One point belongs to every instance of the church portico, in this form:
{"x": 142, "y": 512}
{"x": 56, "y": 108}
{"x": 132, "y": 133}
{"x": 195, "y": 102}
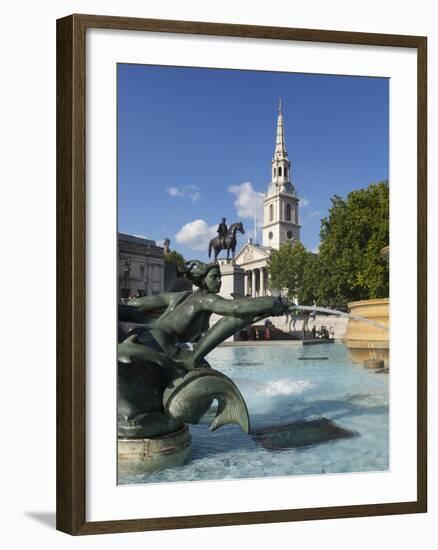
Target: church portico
{"x": 256, "y": 282}
{"x": 253, "y": 259}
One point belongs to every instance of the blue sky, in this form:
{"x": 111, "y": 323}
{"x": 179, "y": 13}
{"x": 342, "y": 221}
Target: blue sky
{"x": 196, "y": 144}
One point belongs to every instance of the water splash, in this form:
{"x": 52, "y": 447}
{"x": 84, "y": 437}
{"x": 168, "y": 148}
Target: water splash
{"x": 340, "y": 313}
{"x": 284, "y": 387}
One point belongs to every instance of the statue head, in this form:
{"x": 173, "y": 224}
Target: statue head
{"x": 205, "y": 276}
{"x": 224, "y": 220}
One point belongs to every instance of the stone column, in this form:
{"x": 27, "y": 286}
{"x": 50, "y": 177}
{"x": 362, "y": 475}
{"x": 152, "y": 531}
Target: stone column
{"x": 267, "y": 282}
{"x": 262, "y": 282}
{"x": 253, "y": 284}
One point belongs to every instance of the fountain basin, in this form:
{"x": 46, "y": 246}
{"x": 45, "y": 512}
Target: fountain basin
{"x": 365, "y": 341}
{"x": 141, "y": 455}
{"x": 307, "y": 417}
{"x": 385, "y": 253}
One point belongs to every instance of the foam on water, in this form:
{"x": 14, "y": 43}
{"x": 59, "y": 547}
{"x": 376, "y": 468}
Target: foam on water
{"x": 280, "y": 389}
{"x": 284, "y": 387}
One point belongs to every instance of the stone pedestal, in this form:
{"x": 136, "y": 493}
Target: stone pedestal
{"x": 233, "y": 286}
{"x": 155, "y": 453}
{"x": 233, "y": 280}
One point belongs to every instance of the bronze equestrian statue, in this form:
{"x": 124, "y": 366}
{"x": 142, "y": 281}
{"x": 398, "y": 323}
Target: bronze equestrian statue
{"x": 164, "y": 380}
{"x": 226, "y": 240}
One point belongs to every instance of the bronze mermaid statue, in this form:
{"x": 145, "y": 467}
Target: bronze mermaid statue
{"x": 164, "y": 380}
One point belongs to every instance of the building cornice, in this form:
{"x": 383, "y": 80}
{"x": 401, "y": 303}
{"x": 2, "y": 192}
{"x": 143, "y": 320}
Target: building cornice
{"x": 281, "y": 194}
{"x": 282, "y": 222}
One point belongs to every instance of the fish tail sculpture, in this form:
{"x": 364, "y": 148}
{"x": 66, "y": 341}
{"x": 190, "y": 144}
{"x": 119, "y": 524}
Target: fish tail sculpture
{"x": 189, "y": 397}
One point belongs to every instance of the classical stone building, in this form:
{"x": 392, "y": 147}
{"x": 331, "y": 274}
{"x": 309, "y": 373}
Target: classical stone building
{"x": 280, "y": 219}
{"x": 141, "y": 266}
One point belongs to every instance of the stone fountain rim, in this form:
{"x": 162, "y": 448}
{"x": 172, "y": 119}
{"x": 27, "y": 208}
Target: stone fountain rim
{"x": 372, "y": 302}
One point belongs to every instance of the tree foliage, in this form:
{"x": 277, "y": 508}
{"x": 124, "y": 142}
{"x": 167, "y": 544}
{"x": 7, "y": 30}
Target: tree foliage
{"x": 174, "y": 257}
{"x": 356, "y": 229}
{"x": 348, "y": 266}
{"x": 292, "y": 268}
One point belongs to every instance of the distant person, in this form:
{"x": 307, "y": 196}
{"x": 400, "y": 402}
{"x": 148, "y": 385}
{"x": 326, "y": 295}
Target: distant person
{"x": 267, "y": 334}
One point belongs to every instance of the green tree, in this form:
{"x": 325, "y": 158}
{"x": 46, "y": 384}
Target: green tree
{"x": 356, "y": 229}
{"x": 308, "y": 292}
{"x": 174, "y": 257}
{"x": 294, "y": 268}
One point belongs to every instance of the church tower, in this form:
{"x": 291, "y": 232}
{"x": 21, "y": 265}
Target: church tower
{"x": 280, "y": 204}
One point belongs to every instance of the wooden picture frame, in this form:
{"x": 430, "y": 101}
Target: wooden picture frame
{"x": 71, "y": 273}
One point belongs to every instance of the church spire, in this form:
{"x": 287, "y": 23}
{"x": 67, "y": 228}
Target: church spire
{"x": 281, "y": 166}
{"x": 280, "y": 204}
{"x": 280, "y": 146}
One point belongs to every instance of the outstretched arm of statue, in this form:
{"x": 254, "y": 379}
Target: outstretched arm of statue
{"x": 217, "y": 334}
{"x": 245, "y": 307}
{"x": 238, "y": 314}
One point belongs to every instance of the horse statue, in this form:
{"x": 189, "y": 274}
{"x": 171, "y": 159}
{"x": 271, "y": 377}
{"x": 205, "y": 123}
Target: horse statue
{"x": 226, "y": 243}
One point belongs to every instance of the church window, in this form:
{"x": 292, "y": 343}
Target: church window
{"x": 271, "y": 212}
{"x": 271, "y": 235}
{"x": 275, "y": 172}
{"x": 288, "y": 212}
{"x": 285, "y": 172}
{"x": 279, "y": 170}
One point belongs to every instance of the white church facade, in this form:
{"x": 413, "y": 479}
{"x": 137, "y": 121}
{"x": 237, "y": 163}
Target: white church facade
{"x": 280, "y": 220}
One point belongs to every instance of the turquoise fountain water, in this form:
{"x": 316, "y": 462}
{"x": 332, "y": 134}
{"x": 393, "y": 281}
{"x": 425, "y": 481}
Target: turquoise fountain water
{"x": 280, "y": 390}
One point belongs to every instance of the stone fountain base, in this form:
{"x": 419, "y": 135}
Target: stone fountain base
{"x": 365, "y": 341}
{"x": 156, "y": 453}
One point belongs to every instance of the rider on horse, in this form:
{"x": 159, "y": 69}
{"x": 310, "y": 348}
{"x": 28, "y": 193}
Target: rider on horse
{"x": 226, "y": 239}
{"x": 222, "y": 231}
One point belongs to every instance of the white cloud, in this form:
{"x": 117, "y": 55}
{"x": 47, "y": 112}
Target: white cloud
{"x": 189, "y": 191}
{"x": 247, "y": 201}
{"x": 196, "y": 234}
{"x": 315, "y": 250}
{"x": 304, "y": 202}
{"x": 174, "y": 192}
